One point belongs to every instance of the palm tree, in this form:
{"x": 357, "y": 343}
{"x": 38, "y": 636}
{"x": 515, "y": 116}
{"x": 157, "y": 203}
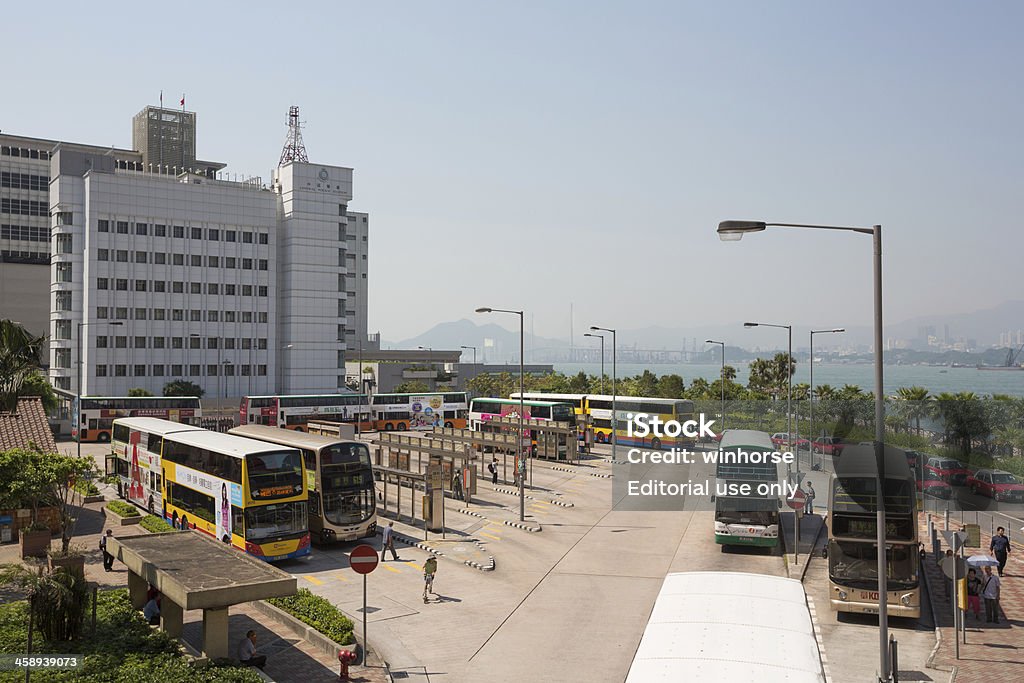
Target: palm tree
{"x": 19, "y": 362}
{"x": 914, "y": 404}
{"x": 825, "y": 392}
{"x": 181, "y": 387}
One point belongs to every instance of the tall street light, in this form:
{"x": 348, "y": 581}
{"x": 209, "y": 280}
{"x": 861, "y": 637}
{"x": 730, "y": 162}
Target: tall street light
{"x": 430, "y": 361}
{"x": 601, "y": 337}
{"x": 810, "y": 430}
{"x": 731, "y": 231}
{"x": 78, "y": 388}
{"x": 595, "y": 328}
{"x": 465, "y": 383}
{"x": 522, "y": 390}
{"x": 722, "y": 344}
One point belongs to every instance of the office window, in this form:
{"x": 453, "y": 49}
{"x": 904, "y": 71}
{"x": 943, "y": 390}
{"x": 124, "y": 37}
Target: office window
{"x": 213, "y": 261}
{"x": 101, "y": 370}
{"x": 230, "y": 235}
{"x": 159, "y": 258}
{"x": 103, "y": 225}
{"x": 229, "y": 370}
{"x": 229, "y": 290}
{"x": 64, "y": 272}
{"x": 177, "y": 315}
{"x": 195, "y": 287}
{"x": 141, "y": 257}
{"x": 101, "y": 311}
{"x": 140, "y": 370}
{"x": 246, "y": 316}
{"x": 229, "y": 262}
{"x": 158, "y": 342}
{"x": 121, "y": 312}
{"x": 121, "y": 284}
{"x": 212, "y": 316}
{"x": 245, "y": 370}
{"x": 120, "y": 371}
{"x": 62, "y": 244}
{"x": 140, "y": 342}
{"x": 229, "y": 343}
{"x": 262, "y": 343}
{"x": 212, "y": 288}
{"x": 160, "y": 230}
{"x": 120, "y": 342}
{"x": 178, "y": 259}
{"x": 195, "y": 343}
{"x": 178, "y": 287}
{"x": 213, "y": 235}
{"x": 159, "y": 286}
{"x": 122, "y": 256}
{"x": 101, "y": 283}
{"x": 247, "y": 238}
{"x": 141, "y": 313}
{"x": 264, "y": 238}
{"x": 263, "y": 316}
{"x": 229, "y": 316}
{"x": 211, "y": 370}
{"x": 159, "y": 314}
{"x": 341, "y": 232}
{"x": 263, "y": 290}
{"x": 158, "y": 371}
{"x": 195, "y": 370}
{"x": 263, "y": 264}
{"x": 247, "y": 264}
{"x": 176, "y": 370}
{"x": 102, "y": 254}
{"x": 101, "y": 342}
{"x": 141, "y": 229}
{"x": 122, "y": 227}
{"x": 195, "y": 260}
{"x": 246, "y": 290}
{"x": 342, "y": 210}
{"x": 197, "y": 233}
{"x": 247, "y": 343}
{"x": 261, "y": 370}
{"x": 177, "y": 342}
{"x": 179, "y": 231}
{"x": 195, "y": 316}
{"x": 212, "y": 343}
{"x": 140, "y": 285}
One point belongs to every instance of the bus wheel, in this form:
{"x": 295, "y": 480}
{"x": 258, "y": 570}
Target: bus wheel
{"x": 299, "y": 429}
{"x": 401, "y": 426}
{"x": 103, "y": 437}
{"x": 388, "y": 427}
{"x": 448, "y": 425}
{"x": 656, "y": 443}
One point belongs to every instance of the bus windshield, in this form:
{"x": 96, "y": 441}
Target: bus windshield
{"x": 349, "y": 505}
{"x": 855, "y": 564}
{"x": 563, "y": 413}
{"x": 274, "y": 475}
{"x": 344, "y": 454}
{"x": 281, "y": 519}
{"x": 759, "y": 511}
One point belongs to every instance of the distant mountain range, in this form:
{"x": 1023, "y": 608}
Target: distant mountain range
{"x": 497, "y": 344}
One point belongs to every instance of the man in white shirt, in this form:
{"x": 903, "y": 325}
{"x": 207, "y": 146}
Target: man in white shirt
{"x": 388, "y": 542}
{"x": 990, "y": 592}
{"x": 152, "y": 611}
{"x": 247, "y": 651}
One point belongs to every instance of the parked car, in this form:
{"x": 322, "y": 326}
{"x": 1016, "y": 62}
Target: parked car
{"x": 829, "y": 445}
{"x": 782, "y": 439}
{"x": 933, "y": 486}
{"x": 951, "y": 471}
{"x": 998, "y": 485}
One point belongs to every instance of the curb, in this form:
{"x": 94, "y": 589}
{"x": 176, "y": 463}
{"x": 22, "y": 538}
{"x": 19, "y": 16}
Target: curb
{"x": 423, "y": 545}
{"x": 601, "y": 475}
{"x": 930, "y": 662}
{"x": 552, "y": 501}
{"x": 306, "y": 632}
{"x": 822, "y": 657}
{"x": 518, "y": 525}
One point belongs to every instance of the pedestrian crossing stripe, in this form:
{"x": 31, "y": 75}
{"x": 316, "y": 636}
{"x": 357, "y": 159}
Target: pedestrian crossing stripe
{"x": 313, "y": 580}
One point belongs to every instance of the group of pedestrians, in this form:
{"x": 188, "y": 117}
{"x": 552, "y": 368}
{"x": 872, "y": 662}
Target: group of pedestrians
{"x": 986, "y": 585}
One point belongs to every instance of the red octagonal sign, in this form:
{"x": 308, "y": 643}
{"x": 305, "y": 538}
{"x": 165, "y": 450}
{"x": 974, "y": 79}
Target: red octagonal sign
{"x": 363, "y": 559}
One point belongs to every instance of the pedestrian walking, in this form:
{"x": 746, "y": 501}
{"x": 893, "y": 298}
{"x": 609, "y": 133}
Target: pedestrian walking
{"x": 457, "y": 483}
{"x": 809, "y": 498}
{"x": 974, "y": 593}
{"x": 429, "y": 569}
{"x": 948, "y": 581}
{"x": 1000, "y": 547}
{"x": 108, "y": 559}
{"x": 990, "y": 591}
{"x": 388, "y": 542}
{"x": 492, "y": 467}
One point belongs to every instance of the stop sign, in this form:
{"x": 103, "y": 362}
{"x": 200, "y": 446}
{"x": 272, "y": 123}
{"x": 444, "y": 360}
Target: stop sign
{"x": 363, "y": 559}
{"x": 796, "y": 502}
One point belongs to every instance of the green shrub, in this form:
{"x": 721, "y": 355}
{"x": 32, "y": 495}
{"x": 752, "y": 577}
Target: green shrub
{"x": 319, "y": 613}
{"x": 122, "y": 508}
{"x": 155, "y": 524}
{"x": 86, "y": 488}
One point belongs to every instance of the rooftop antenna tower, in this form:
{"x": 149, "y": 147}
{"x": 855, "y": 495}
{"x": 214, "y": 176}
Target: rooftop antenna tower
{"x": 294, "y": 149}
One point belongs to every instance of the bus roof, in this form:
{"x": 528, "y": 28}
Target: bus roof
{"x": 340, "y": 393}
{"x": 645, "y": 399}
{"x": 736, "y": 438}
{"x": 226, "y": 444}
{"x": 417, "y": 393}
{"x": 169, "y": 399}
{"x": 155, "y": 425}
{"x": 729, "y": 626}
{"x": 571, "y": 397}
{"x": 515, "y": 401}
{"x": 287, "y": 437}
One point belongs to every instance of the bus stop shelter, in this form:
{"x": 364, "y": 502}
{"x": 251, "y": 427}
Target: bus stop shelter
{"x": 192, "y": 571}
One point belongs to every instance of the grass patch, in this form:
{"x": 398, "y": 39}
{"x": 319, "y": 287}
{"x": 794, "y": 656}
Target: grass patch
{"x": 122, "y": 508}
{"x": 319, "y": 613}
{"x": 124, "y": 649}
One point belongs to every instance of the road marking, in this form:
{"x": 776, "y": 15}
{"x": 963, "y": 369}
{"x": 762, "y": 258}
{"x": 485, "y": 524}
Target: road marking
{"x": 313, "y": 580}
{"x": 342, "y": 577}
{"x": 413, "y": 564}
{"x": 484, "y": 533}
{"x": 391, "y": 569}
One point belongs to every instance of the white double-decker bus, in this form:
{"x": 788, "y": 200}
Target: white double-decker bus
{"x": 135, "y": 458}
{"x": 294, "y": 412}
{"x": 751, "y": 519}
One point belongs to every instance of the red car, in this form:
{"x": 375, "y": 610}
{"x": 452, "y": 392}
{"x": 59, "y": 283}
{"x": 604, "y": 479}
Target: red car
{"x": 829, "y": 445}
{"x": 934, "y": 487}
{"x": 951, "y": 471}
{"x": 997, "y": 485}
{"x": 781, "y": 439}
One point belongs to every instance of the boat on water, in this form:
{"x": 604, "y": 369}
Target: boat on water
{"x": 1011, "y": 361}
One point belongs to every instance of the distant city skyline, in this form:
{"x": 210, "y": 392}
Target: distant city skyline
{"x": 532, "y": 156}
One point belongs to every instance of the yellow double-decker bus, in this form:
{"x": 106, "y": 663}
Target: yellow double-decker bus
{"x": 248, "y": 493}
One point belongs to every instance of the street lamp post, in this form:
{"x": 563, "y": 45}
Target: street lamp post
{"x": 522, "y": 390}
{"x": 430, "y": 360}
{"x": 734, "y": 230}
{"x": 465, "y": 383}
{"x": 615, "y": 440}
{"x": 601, "y": 337}
{"x": 78, "y": 387}
{"x": 810, "y": 430}
{"x": 722, "y": 344}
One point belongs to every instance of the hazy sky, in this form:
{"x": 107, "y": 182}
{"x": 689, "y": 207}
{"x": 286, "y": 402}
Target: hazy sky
{"x": 535, "y": 154}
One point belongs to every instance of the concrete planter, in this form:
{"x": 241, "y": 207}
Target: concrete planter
{"x": 74, "y": 561}
{"x": 93, "y": 499}
{"x": 307, "y": 632}
{"x": 117, "y": 520}
{"x": 34, "y": 543}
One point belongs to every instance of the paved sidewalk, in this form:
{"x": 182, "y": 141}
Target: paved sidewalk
{"x": 993, "y": 652}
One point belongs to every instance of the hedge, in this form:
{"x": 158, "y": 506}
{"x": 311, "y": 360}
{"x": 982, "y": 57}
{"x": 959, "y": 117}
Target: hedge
{"x": 122, "y": 508}
{"x": 319, "y": 613}
{"x": 86, "y": 488}
{"x": 155, "y": 524}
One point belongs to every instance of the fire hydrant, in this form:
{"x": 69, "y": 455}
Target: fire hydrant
{"x": 345, "y": 657}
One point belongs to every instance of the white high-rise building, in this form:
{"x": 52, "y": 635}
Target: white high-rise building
{"x": 239, "y": 287}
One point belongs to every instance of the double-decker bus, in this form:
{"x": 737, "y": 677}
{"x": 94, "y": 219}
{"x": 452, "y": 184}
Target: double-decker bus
{"x": 135, "y": 459}
{"x": 852, "y": 546}
{"x": 94, "y": 419}
{"x": 422, "y": 411}
{"x": 729, "y": 626}
{"x": 751, "y": 520}
{"x": 248, "y": 493}
{"x": 339, "y": 477}
{"x": 293, "y": 412}
{"x": 483, "y": 410}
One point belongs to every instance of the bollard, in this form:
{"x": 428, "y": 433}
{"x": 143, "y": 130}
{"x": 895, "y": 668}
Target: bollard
{"x": 894, "y": 657}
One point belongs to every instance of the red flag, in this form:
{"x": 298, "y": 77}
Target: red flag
{"x": 182, "y": 103}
